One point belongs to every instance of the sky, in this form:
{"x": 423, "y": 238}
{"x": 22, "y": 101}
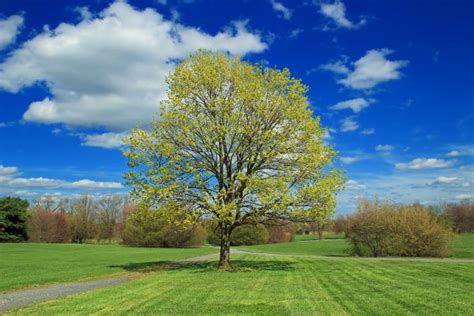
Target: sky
{"x": 393, "y": 81}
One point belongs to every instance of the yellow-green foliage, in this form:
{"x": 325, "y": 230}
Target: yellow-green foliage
{"x": 386, "y": 229}
{"x": 235, "y": 141}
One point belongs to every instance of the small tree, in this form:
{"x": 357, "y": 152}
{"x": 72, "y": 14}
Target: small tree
{"x": 234, "y": 141}
{"x": 109, "y": 208}
{"x": 13, "y": 219}
{"x": 82, "y": 219}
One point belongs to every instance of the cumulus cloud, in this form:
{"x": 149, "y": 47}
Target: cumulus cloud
{"x": 9, "y": 179}
{"x": 425, "y": 163}
{"x": 369, "y": 71}
{"x": 109, "y": 70}
{"x": 337, "y": 13}
{"x": 9, "y": 29}
{"x": 89, "y": 184}
{"x": 105, "y": 140}
{"x": 356, "y": 105}
{"x": 337, "y": 67}
{"x": 349, "y": 124}
{"x": 283, "y": 11}
{"x": 453, "y": 153}
{"x": 6, "y": 171}
{"x": 384, "y": 148}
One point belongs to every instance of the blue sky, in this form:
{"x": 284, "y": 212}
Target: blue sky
{"x": 392, "y": 80}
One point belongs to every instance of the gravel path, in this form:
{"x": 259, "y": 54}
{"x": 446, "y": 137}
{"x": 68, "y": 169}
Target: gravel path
{"x": 22, "y": 298}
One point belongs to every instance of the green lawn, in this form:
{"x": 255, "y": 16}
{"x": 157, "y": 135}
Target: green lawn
{"x": 28, "y": 264}
{"x": 463, "y": 247}
{"x": 324, "y": 247}
{"x": 263, "y": 285}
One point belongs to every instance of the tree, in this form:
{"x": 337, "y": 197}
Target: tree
{"x": 13, "y": 219}
{"x": 235, "y": 141}
{"x": 109, "y": 208}
{"x": 48, "y": 221}
{"x": 82, "y": 219}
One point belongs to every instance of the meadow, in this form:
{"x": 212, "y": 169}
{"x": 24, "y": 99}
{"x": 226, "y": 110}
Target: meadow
{"x": 258, "y": 284}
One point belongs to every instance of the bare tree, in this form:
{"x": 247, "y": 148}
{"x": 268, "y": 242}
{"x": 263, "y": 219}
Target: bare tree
{"x": 109, "y": 209}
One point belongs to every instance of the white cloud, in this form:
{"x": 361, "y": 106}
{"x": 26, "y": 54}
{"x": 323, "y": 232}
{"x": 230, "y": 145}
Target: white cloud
{"x": 5, "y": 171}
{"x": 370, "y": 70}
{"x": 9, "y": 29}
{"x": 465, "y": 196}
{"x": 9, "y": 179}
{"x": 285, "y": 12}
{"x": 349, "y": 160}
{"x": 349, "y": 125}
{"x": 424, "y": 163}
{"x": 356, "y": 105}
{"x": 337, "y": 13}
{"x": 446, "y": 180}
{"x": 89, "y": 184}
{"x": 337, "y": 67}
{"x": 110, "y": 70}
{"x": 368, "y": 131}
{"x": 105, "y": 140}
{"x": 384, "y": 148}
{"x": 295, "y": 33}
{"x": 354, "y": 185}
{"x": 453, "y": 153}
{"x": 34, "y": 182}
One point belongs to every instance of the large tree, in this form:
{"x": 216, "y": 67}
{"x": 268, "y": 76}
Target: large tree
{"x": 13, "y": 219}
{"x": 237, "y": 142}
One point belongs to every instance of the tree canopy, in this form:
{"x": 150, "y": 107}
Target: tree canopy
{"x": 235, "y": 141}
{"x": 13, "y": 219}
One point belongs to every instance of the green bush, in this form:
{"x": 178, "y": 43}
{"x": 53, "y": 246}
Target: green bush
{"x": 249, "y": 235}
{"x": 385, "y": 229}
{"x": 146, "y": 228}
{"x": 242, "y": 235}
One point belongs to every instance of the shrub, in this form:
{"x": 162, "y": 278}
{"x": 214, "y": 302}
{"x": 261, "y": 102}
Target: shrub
{"x": 385, "y": 229}
{"x": 279, "y": 232}
{"x": 146, "y": 228}
{"x": 13, "y": 219}
{"x": 249, "y": 235}
{"x": 48, "y": 226}
{"x": 462, "y": 216}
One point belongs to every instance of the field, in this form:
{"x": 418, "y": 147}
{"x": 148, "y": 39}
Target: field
{"x": 29, "y": 264}
{"x": 258, "y": 284}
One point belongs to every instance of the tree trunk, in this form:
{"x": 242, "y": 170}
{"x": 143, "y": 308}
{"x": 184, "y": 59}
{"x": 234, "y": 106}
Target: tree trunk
{"x": 320, "y": 233}
{"x": 224, "y": 258}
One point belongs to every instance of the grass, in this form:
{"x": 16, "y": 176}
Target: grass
{"x": 28, "y": 264}
{"x": 464, "y": 246}
{"x": 261, "y": 285}
{"x": 325, "y": 247}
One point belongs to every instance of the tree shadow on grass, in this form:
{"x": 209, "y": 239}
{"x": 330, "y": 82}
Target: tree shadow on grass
{"x": 198, "y": 267}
